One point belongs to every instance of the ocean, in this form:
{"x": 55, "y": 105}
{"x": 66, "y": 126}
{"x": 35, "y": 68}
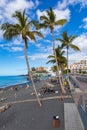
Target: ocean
{"x": 6, "y": 81}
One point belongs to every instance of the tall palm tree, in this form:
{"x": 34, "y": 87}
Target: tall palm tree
{"x": 23, "y": 28}
{"x": 61, "y": 60}
{"x": 49, "y": 21}
{"x": 66, "y": 41}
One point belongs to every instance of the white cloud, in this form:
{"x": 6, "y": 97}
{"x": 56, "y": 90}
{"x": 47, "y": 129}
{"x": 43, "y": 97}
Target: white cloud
{"x": 36, "y": 56}
{"x": 85, "y": 20}
{"x": 11, "y": 48}
{"x": 47, "y": 41}
{"x": 44, "y": 48}
{"x": 5, "y": 46}
{"x": 83, "y": 3}
{"x": 40, "y": 13}
{"x": 77, "y": 56}
{"x": 57, "y": 43}
{"x": 38, "y": 45}
{"x": 81, "y": 42}
{"x": 84, "y": 25}
{"x": 48, "y": 49}
{"x": 13, "y": 45}
{"x": 37, "y": 3}
{"x": 1, "y": 35}
{"x": 62, "y": 14}
{"x": 62, "y": 5}
{"x": 1, "y": 45}
{"x": 21, "y": 57}
{"x": 7, "y": 8}
{"x": 14, "y": 49}
{"x": 39, "y": 56}
{"x": 65, "y": 3}
{"x": 17, "y": 41}
{"x": 45, "y": 32}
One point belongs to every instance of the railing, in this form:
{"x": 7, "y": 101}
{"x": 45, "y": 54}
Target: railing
{"x": 74, "y": 82}
{"x": 83, "y": 111}
{"x": 82, "y": 78}
{"x": 82, "y": 102}
{"x": 86, "y": 106}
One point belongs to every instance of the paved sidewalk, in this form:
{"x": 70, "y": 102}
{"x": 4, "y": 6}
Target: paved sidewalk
{"x": 72, "y": 117}
{"x": 81, "y": 84}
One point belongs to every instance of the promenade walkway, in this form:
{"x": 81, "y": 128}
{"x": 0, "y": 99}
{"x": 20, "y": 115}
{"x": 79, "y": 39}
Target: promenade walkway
{"x": 72, "y": 117}
{"x": 33, "y": 100}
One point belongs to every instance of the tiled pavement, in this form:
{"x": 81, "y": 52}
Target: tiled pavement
{"x": 72, "y": 117}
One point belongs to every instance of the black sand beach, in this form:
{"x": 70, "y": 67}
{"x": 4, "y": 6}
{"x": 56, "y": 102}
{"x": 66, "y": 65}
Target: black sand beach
{"x": 25, "y": 114}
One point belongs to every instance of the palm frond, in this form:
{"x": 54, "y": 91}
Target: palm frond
{"x": 20, "y": 17}
{"x": 5, "y": 26}
{"x": 44, "y": 18}
{"x": 30, "y": 35}
{"x": 48, "y": 13}
{"x": 74, "y": 47}
{"x": 51, "y": 61}
{"x": 41, "y": 25}
{"x": 65, "y": 37}
{"x": 54, "y": 68}
{"x": 24, "y": 14}
{"x": 38, "y": 34}
{"x": 34, "y": 22}
{"x": 10, "y": 30}
{"x": 52, "y": 16}
{"x": 71, "y": 38}
{"x": 59, "y": 39}
{"x": 60, "y": 22}
{"x": 62, "y": 53}
{"x": 29, "y": 24}
{"x": 51, "y": 56}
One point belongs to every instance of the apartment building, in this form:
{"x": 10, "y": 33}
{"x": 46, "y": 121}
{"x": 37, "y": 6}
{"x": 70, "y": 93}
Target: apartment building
{"x": 79, "y": 66}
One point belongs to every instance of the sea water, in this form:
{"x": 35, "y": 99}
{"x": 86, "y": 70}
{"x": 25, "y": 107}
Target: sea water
{"x": 6, "y": 81}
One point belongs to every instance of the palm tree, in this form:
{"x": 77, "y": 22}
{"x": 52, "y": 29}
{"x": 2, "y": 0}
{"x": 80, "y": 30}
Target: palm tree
{"x": 53, "y": 68}
{"x": 61, "y": 60}
{"x": 67, "y": 43}
{"x": 23, "y": 28}
{"x": 50, "y": 22}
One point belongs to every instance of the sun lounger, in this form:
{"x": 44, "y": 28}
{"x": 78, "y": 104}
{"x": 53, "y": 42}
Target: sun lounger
{"x": 3, "y": 108}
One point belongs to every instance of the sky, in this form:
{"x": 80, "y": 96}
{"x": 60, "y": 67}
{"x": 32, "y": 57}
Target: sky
{"x": 12, "y": 61}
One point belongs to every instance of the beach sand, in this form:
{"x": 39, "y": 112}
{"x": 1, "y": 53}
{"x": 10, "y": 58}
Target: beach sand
{"x": 27, "y": 115}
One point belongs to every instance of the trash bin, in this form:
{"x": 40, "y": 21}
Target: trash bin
{"x": 56, "y": 121}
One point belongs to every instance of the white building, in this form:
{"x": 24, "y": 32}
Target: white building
{"x": 50, "y": 72}
{"x": 79, "y": 66}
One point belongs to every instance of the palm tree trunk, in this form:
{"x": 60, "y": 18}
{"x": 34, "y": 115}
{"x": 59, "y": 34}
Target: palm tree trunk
{"x": 54, "y": 51}
{"x": 62, "y": 75}
{"x": 67, "y": 60}
{"x": 29, "y": 73}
